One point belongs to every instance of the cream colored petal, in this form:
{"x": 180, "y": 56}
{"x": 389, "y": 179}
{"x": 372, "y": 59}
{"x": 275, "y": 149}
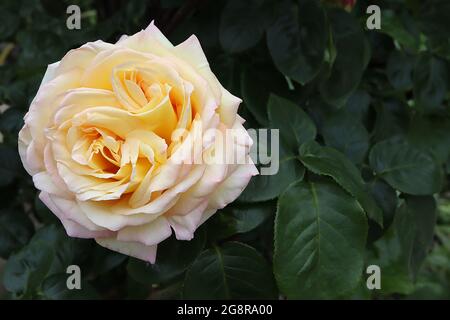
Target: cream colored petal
{"x": 83, "y": 56}
{"x": 143, "y": 193}
{"x": 113, "y": 192}
{"x": 207, "y": 214}
{"x": 194, "y": 197}
{"x": 191, "y": 51}
{"x": 31, "y": 160}
{"x": 228, "y": 107}
{"x": 185, "y": 225}
{"x": 161, "y": 119}
{"x": 167, "y": 199}
{"x": 52, "y": 170}
{"x": 150, "y": 40}
{"x": 103, "y": 215}
{"x": 73, "y": 229}
{"x": 50, "y": 73}
{"x": 79, "y": 184}
{"x": 72, "y": 211}
{"x": 133, "y": 249}
{"x": 44, "y": 182}
{"x": 153, "y": 31}
{"x": 35, "y": 158}
{"x": 233, "y": 185}
{"x": 149, "y": 234}
{"x": 46, "y": 102}
{"x": 80, "y": 99}
{"x": 64, "y": 158}
{"x": 98, "y": 73}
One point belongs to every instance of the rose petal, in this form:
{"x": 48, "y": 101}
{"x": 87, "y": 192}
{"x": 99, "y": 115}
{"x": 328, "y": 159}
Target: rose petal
{"x": 185, "y": 225}
{"x": 233, "y": 185}
{"x": 133, "y": 249}
{"x": 73, "y": 228}
{"x": 148, "y": 234}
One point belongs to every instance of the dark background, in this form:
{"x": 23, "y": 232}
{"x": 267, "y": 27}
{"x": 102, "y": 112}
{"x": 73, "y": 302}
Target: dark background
{"x": 357, "y": 88}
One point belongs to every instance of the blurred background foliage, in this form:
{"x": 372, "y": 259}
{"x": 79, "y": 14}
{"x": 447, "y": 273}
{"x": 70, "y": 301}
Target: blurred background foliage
{"x": 365, "y": 130}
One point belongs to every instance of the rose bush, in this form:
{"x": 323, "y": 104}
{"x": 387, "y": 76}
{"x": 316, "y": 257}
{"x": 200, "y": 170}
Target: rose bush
{"x": 364, "y": 159}
{"x": 104, "y": 142}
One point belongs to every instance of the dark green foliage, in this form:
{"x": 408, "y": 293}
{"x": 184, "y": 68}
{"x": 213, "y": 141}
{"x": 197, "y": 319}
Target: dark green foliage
{"x": 364, "y": 175}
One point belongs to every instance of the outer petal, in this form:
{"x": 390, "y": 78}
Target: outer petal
{"x": 150, "y": 40}
{"x": 32, "y": 160}
{"x": 195, "y": 196}
{"x": 148, "y": 234}
{"x": 73, "y": 228}
{"x": 191, "y": 51}
{"x": 50, "y": 165}
{"x": 70, "y": 210}
{"x": 81, "y": 57}
{"x": 185, "y": 225}
{"x": 103, "y": 216}
{"x": 68, "y": 70}
{"x": 50, "y": 73}
{"x": 233, "y": 185}
{"x": 228, "y": 108}
{"x": 44, "y": 182}
{"x": 46, "y": 102}
{"x": 134, "y": 249}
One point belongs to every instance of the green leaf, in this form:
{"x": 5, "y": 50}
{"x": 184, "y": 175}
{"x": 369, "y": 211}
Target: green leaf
{"x": 386, "y": 198}
{"x": 298, "y": 38}
{"x": 399, "y": 70}
{"x": 55, "y": 288}
{"x": 294, "y": 124}
{"x": 16, "y": 230}
{"x": 396, "y": 27}
{"x": 432, "y": 286}
{"x": 392, "y": 119}
{"x": 295, "y": 127}
{"x": 50, "y": 251}
{"x": 242, "y": 24}
{"x": 320, "y": 235}
{"x": 346, "y": 134}
{"x": 173, "y": 258}
{"x": 25, "y": 270}
{"x": 330, "y": 162}
{"x": 233, "y": 271}
{"x": 431, "y": 135}
{"x": 425, "y": 214}
{"x": 430, "y": 82}
{"x": 351, "y": 60}
{"x": 405, "y": 167}
{"x": 257, "y": 82}
{"x": 268, "y": 187}
{"x": 238, "y": 219}
{"x": 104, "y": 260}
{"x": 358, "y": 104}
{"x": 66, "y": 250}
{"x": 401, "y": 251}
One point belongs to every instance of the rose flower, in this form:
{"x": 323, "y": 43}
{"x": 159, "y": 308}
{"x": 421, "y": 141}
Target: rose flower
{"x": 113, "y": 138}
